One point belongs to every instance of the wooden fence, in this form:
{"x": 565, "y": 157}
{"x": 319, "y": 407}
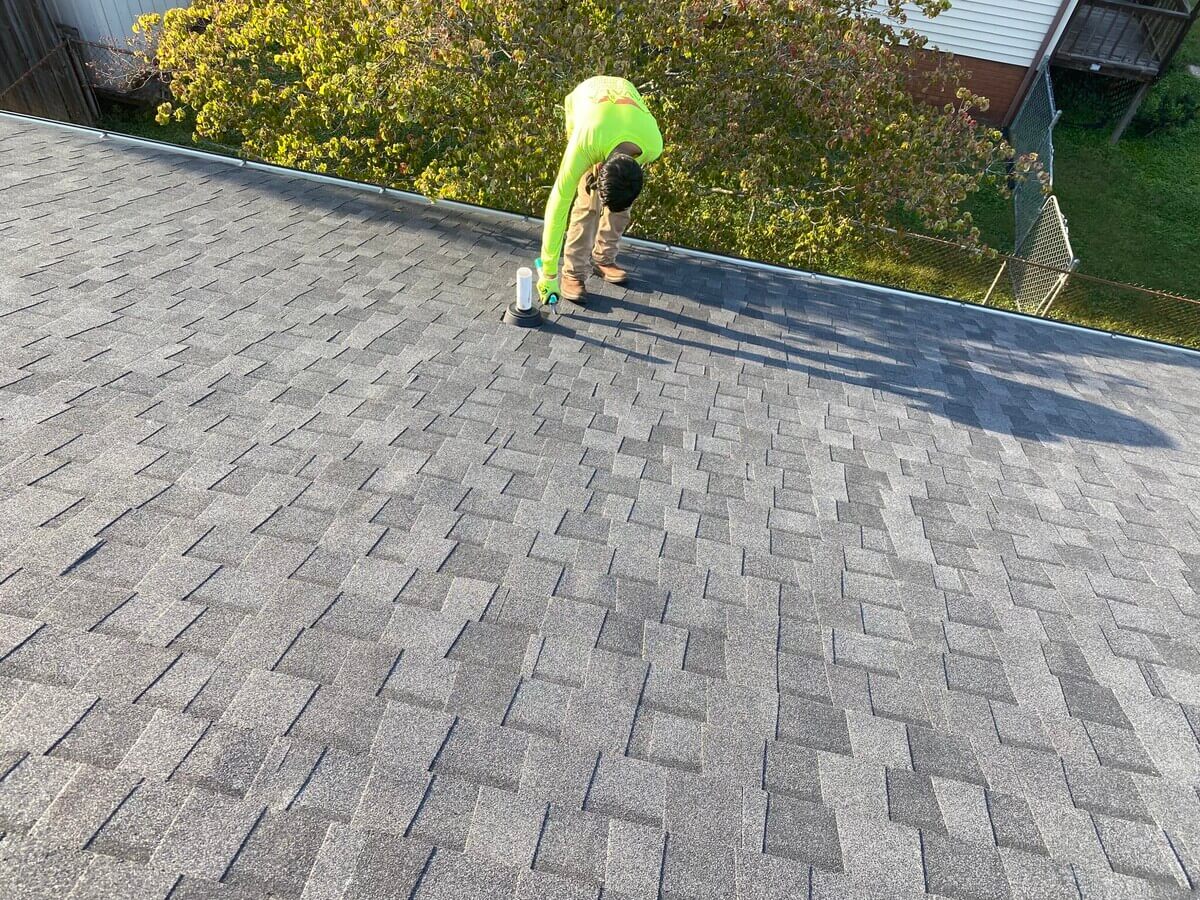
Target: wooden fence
{"x": 40, "y": 73}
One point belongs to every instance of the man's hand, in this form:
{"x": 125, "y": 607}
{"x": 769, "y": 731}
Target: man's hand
{"x": 547, "y": 289}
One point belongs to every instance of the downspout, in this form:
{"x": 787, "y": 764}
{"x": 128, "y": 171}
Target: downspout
{"x": 1051, "y": 34}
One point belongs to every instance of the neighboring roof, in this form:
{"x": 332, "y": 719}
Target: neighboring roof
{"x": 318, "y": 580}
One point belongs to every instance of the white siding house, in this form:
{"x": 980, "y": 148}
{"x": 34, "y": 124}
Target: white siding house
{"x": 1000, "y": 42}
{"x": 105, "y": 21}
{"x": 100, "y": 24}
{"x": 1004, "y": 31}
{"x": 1003, "y": 42}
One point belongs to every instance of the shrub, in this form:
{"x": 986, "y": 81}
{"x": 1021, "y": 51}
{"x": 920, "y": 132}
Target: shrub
{"x": 1172, "y": 103}
{"x": 789, "y": 124}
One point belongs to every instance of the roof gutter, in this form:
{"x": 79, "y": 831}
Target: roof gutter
{"x": 505, "y": 215}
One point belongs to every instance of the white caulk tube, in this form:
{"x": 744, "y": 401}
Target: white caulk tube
{"x": 524, "y": 288}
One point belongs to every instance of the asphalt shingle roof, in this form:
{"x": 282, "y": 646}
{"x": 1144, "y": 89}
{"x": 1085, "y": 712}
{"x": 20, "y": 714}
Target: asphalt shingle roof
{"x": 318, "y": 581}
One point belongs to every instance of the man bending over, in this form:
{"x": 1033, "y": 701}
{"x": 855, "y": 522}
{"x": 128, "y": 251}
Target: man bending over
{"x": 610, "y": 136}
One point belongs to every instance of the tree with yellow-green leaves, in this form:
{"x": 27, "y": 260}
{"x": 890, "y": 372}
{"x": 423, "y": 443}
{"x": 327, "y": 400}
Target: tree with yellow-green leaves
{"x": 789, "y": 125}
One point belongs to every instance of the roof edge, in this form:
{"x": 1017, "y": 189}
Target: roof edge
{"x": 487, "y": 211}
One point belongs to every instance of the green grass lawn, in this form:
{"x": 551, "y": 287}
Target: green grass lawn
{"x": 993, "y": 215}
{"x": 139, "y": 122}
{"x": 1134, "y": 209}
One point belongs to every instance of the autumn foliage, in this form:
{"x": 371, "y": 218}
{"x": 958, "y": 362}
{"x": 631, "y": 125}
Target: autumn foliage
{"x": 789, "y": 124}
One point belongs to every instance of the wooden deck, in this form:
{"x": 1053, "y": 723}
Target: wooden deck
{"x": 1112, "y": 37}
{"x": 1122, "y": 37}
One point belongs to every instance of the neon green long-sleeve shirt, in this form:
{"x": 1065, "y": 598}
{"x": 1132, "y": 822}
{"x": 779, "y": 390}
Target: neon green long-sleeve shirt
{"x": 602, "y": 113}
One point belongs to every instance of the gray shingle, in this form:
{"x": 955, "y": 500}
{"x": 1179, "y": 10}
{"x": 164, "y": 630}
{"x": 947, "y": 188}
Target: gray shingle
{"x": 1013, "y": 824}
{"x": 814, "y": 725}
{"x": 697, "y": 871}
{"x": 409, "y": 738}
{"x": 598, "y": 723}
{"x": 55, "y": 656}
{"x": 179, "y": 686}
{"x": 634, "y": 859}
{"x": 127, "y": 671}
{"x": 961, "y": 869}
{"x": 225, "y": 760}
{"x": 163, "y": 744}
{"x": 863, "y": 651}
{"x": 1120, "y": 748}
{"x": 894, "y": 699}
{"x": 32, "y": 869}
{"x": 105, "y": 734}
{"x": 29, "y": 785}
{"x": 416, "y": 678}
{"x": 1033, "y": 877}
{"x": 139, "y": 824}
{"x": 880, "y": 858}
{"x": 683, "y": 694}
{"x": 82, "y": 807}
{"x": 534, "y": 885}
{"x": 393, "y": 575}
{"x": 279, "y": 852}
{"x": 444, "y": 814}
{"x": 949, "y": 756}
{"x": 676, "y": 742}
{"x": 42, "y": 716}
{"x": 1109, "y": 791}
{"x": 333, "y": 788}
{"x": 538, "y": 707}
{"x": 772, "y": 877}
{"x": 703, "y": 810}
{"x": 628, "y": 789}
{"x": 804, "y": 831}
{"x": 368, "y": 864}
{"x": 205, "y": 835}
{"x": 1140, "y": 850}
{"x": 485, "y": 754}
{"x": 268, "y": 702}
{"x": 452, "y": 876}
{"x": 1092, "y": 702}
{"x": 573, "y": 844}
{"x": 972, "y": 675}
{"x": 343, "y": 719}
{"x": 792, "y": 771}
{"x": 106, "y": 878}
{"x": 505, "y": 829}
{"x": 752, "y": 710}
{"x": 911, "y": 800}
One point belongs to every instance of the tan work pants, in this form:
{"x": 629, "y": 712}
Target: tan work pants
{"x": 593, "y": 233}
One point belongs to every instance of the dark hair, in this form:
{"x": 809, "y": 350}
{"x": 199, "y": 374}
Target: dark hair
{"x": 619, "y": 182}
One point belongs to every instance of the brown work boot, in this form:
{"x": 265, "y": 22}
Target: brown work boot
{"x": 572, "y": 288}
{"x": 610, "y": 273}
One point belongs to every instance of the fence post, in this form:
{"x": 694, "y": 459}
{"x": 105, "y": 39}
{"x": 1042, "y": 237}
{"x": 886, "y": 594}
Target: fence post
{"x": 995, "y": 281}
{"x": 1058, "y": 287}
{"x": 1134, "y": 104}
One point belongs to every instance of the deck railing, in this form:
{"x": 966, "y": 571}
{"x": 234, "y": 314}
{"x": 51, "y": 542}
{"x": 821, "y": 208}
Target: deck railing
{"x": 1125, "y": 37}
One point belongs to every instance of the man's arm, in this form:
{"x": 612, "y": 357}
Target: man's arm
{"x": 575, "y": 162}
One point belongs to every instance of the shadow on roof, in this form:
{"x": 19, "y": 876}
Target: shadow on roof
{"x": 948, "y": 381}
{"x": 941, "y": 358}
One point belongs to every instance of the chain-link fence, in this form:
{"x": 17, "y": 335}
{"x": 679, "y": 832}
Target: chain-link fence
{"x": 930, "y": 265}
{"x": 1032, "y": 131}
{"x": 1042, "y": 256}
{"x": 1041, "y": 260}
